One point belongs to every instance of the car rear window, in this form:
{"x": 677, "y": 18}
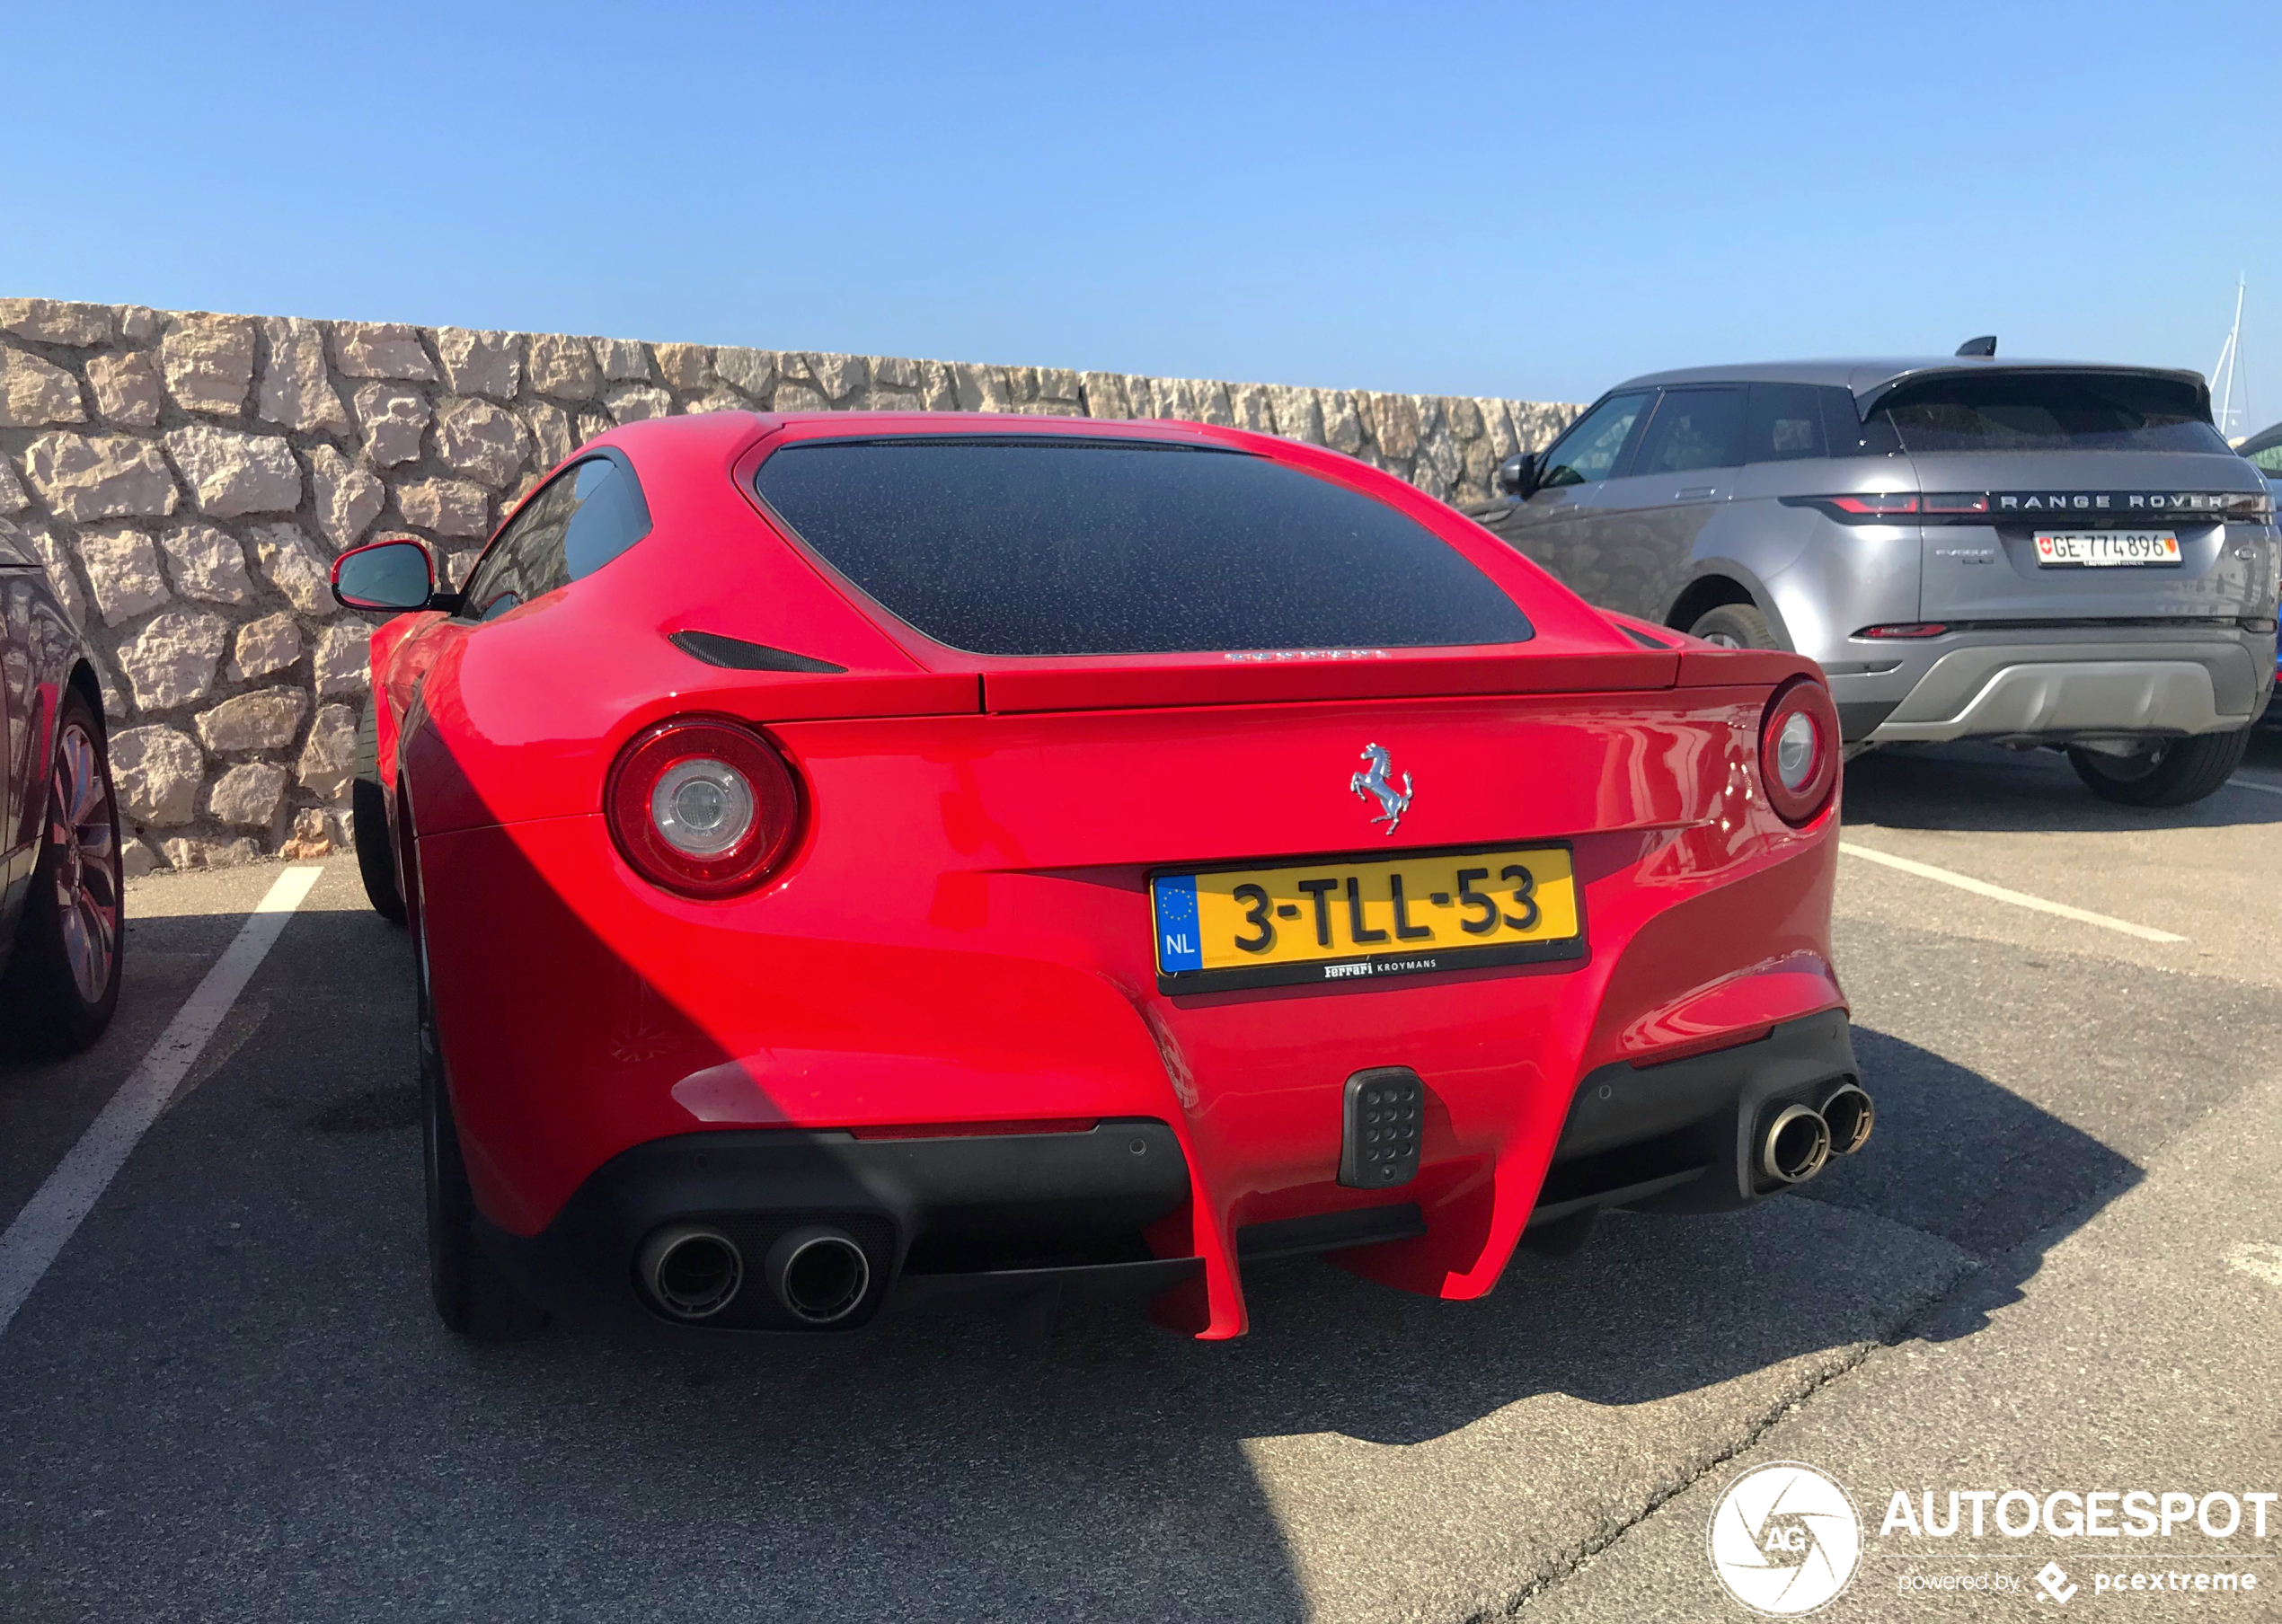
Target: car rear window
{"x": 2051, "y": 411}
{"x": 1016, "y": 546}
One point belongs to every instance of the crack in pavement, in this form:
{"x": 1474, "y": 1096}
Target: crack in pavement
{"x": 1851, "y": 1358}
{"x": 1978, "y": 1267}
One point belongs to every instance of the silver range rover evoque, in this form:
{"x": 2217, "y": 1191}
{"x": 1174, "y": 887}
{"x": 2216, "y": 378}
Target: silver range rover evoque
{"x": 2030, "y": 553}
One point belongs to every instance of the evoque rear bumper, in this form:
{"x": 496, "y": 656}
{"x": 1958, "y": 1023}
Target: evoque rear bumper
{"x": 2065, "y": 683}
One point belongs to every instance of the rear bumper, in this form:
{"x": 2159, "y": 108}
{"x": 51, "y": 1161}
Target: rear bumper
{"x": 1677, "y": 1138}
{"x": 1016, "y": 1218}
{"x": 2069, "y": 682}
{"x": 1023, "y": 999}
{"x": 1005, "y": 1219}
{"x": 1006, "y": 1215}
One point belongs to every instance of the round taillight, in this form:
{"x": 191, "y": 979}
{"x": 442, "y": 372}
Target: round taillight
{"x": 703, "y": 806}
{"x": 1799, "y": 750}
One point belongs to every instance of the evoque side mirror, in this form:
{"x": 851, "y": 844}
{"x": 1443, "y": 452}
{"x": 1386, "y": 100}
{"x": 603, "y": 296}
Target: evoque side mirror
{"x": 1517, "y": 475}
{"x": 391, "y": 577}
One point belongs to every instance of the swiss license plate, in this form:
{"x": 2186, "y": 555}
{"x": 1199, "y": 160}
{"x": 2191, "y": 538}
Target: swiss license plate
{"x": 2098, "y": 548}
{"x": 1354, "y": 919}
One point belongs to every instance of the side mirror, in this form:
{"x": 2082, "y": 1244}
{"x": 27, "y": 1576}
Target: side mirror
{"x": 391, "y": 577}
{"x": 1517, "y": 475}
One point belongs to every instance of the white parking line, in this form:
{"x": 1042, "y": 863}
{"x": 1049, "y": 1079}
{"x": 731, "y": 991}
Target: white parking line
{"x": 2018, "y": 899}
{"x": 2253, "y": 783}
{"x": 38, "y": 1232}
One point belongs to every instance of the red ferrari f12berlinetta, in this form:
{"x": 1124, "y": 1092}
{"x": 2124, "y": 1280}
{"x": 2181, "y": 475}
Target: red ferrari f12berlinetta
{"x": 857, "y": 861}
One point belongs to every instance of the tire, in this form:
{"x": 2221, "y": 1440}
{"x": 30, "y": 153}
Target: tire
{"x": 62, "y": 979}
{"x": 1735, "y": 626}
{"x": 2176, "y": 772}
{"x": 368, "y": 810}
{"x": 471, "y": 1297}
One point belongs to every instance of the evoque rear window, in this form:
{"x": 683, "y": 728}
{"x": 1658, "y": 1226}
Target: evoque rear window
{"x": 2051, "y": 411}
{"x": 1028, "y": 546}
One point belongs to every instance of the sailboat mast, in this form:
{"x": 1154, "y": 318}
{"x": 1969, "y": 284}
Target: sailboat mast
{"x": 2224, "y": 414}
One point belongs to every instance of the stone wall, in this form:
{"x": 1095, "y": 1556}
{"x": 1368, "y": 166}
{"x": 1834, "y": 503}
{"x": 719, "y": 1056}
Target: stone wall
{"x": 188, "y": 479}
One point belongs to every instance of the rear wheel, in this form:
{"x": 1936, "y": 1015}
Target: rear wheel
{"x": 2170, "y": 773}
{"x": 1735, "y": 626}
{"x": 369, "y": 808}
{"x": 472, "y": 1298}
{"x": 62, "y": 980}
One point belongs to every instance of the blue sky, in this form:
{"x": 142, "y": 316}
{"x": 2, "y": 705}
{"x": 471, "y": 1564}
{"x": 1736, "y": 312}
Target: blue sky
{"x": 1528, "y": 200}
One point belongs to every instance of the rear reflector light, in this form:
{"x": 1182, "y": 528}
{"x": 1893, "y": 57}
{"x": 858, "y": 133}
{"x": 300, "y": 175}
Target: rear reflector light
{"x": 703, "y": 806}
{"x": 1799, "y": 751}
{"x": 1955, "y": 503}
{"x": 1880, "y": 504}
{"x": 1912, "y": 629}
{"x": 2250, "y": 509}
{"x": 977, "y": 1129}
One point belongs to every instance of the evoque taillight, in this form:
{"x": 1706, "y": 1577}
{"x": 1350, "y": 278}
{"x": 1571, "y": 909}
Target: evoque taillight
{"x": 702, "y": 806}
{"x": 1876, "y": 503}
{"x": 1799, "y": 750}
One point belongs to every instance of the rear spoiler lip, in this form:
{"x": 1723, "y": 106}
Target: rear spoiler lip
{"x": 1709, "y": 666}
{"x": 769, "y": 696}
{"x": 1705, "y": 665}
{"x": 1870, "y": 397}
{"x": 1226, "y": 682}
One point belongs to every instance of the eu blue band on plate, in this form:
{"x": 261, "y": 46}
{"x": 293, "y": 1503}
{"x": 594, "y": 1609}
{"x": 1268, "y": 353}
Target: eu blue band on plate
{"x": 1180, "y": 945}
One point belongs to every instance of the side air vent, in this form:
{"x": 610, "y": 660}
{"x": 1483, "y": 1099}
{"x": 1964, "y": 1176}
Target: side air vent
{"x": 735, "y": 654}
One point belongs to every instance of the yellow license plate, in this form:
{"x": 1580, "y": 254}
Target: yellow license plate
{"x": 1350, "y": 919}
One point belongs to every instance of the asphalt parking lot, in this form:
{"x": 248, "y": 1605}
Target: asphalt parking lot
{"x": 2059, "y": 1264}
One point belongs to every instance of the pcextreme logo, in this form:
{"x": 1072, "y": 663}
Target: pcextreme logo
{"x": 1785, "y": 1540}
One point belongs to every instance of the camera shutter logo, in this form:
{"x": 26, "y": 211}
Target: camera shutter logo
{"x": 1785, "y": 1538}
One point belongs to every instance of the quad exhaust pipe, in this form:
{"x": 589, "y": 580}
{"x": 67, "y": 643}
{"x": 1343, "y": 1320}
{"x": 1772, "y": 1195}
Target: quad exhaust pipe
{"x": 1851, "y": 1116}
{"x": 817, "y": 1273}
{"x": 1798, "y": 1142}
{"x": 1794, "y": 1144}
{"x": 690, "y": 1270}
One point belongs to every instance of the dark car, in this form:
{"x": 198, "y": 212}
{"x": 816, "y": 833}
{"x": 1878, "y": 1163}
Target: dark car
{"x": 2263, "y": 451}
{"x": 60, "y": 909}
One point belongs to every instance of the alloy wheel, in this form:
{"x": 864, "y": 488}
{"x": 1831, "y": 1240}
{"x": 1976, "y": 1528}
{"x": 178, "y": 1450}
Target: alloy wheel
{"x": 86, "y": 860}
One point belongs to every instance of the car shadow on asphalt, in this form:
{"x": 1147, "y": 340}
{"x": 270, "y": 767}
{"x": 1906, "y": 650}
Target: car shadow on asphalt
{"x": 1979, "y": 788}
{"x": 1957, "y": 1156}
